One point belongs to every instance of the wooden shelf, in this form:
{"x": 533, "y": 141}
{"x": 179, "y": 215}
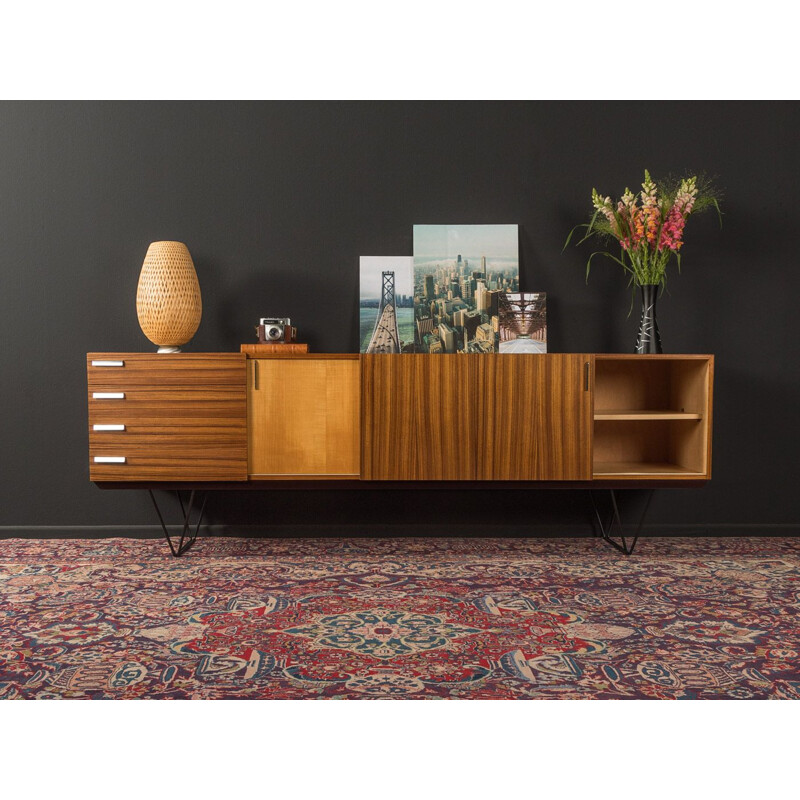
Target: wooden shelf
{"x": 622, "y": 414}
{"x": 627, "y": 469}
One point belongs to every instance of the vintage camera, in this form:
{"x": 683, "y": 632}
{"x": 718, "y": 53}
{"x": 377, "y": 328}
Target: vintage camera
{"x": 275, "y": 330}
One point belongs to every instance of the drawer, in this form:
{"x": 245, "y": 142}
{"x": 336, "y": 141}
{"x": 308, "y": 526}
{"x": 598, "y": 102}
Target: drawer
{"x": 205, "y": 454}
{"x": 166, "y": 371}
{"x": 177, "y": 407}
{"x": 165, "y": 448}
{"x": 210, "y": 444}
{"x": 148, "y": 467}
{"x": 168, "y": 434}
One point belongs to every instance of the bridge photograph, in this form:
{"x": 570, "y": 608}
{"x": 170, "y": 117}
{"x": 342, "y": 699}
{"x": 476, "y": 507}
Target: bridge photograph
{"x": 523, "y": 322}
{"x": 386, "y": 304}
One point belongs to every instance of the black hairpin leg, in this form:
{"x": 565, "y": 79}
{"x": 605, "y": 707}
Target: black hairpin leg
{"x": 606, "y": 528}
{"x": 187, "y": 539}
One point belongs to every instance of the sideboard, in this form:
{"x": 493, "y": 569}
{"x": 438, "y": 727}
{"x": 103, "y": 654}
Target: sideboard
{"x": 215, "y": 420}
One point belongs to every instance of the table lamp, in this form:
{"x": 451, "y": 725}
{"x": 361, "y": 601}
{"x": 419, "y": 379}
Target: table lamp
{"x": 168, "y": 300}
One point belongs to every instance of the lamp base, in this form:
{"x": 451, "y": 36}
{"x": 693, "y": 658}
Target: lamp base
{"x": 169, "y": 349}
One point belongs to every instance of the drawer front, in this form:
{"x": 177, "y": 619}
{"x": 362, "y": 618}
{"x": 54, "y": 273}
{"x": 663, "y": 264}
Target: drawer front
{"x": 220, "y": 407}
{"x": 166, "y": 371}
{"x": 154, "y": 468}
{"x": 103, "y": 434}
{"x": 175, "y": 453}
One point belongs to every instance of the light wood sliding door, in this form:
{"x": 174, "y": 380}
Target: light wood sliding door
{"x": 422, "y": 416}
{"x": 303, "y": 417}
{"x": 539, "y": 418}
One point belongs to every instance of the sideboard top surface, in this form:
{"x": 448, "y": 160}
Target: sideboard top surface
{"x": 356, "y": 356}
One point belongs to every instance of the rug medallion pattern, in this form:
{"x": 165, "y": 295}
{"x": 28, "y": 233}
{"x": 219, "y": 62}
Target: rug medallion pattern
{"x": 400, "y": 618}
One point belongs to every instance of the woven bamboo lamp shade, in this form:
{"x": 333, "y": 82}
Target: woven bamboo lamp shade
{"x": 168, "y": 298}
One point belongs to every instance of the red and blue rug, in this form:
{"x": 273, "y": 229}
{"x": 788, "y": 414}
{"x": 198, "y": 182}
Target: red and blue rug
{"x": 400, "y": 618}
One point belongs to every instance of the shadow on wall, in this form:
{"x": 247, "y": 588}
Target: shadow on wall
{"x": 410, "y": 512}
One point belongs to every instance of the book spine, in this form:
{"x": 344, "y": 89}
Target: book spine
{"x": 274, "y": 347}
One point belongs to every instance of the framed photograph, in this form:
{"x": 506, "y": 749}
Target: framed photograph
{"x": 522, "y": 322}
{"x": 386, "y": 304}
{"x": 460, "y": 273}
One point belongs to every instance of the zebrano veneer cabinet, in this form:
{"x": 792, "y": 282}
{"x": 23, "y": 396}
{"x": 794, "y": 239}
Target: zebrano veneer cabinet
{"x": 229, "y": 420}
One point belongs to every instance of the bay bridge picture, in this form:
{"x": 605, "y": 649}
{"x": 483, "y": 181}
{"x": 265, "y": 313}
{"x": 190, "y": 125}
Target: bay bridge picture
{"x": 386, "y": 304}
{"x": 386, "y": 335}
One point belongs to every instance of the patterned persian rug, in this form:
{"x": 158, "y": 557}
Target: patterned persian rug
{"x": 400, "y": 618}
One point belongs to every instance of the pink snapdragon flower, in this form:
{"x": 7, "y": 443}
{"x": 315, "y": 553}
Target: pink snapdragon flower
{"x": 672, "y": 230}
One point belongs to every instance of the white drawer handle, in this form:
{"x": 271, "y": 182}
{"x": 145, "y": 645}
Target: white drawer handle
{"x": 108, "y": 395}
{"x": 109, "y": 459}
{"x": 108, "y": 363}
{"x": 108, "y": 427}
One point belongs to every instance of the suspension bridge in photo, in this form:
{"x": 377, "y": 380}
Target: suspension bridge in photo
{"x": 385, "y": 335}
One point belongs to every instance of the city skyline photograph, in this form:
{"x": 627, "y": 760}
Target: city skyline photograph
{"x": 460, "y": 272}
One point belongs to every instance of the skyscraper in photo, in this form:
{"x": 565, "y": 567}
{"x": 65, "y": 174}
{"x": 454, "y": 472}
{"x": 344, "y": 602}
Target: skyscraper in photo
{"x": 484, "y": 333}
{"x": 471, "y": 321}
{"x": 481, "y": 297}
{"x": 424, "y": 326}
{"x": 493, "y": 303}
{"x": 448, "y": 337}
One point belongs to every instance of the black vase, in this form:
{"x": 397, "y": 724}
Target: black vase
{"x": 648, "y": 340}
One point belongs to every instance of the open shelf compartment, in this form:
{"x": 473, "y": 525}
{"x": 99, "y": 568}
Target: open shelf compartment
{"x": 655, "y": 386}
{"x": 652, "y": 417}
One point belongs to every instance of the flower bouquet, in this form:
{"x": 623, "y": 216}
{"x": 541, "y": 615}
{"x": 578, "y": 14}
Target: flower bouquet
{"x": 649, "y": 228}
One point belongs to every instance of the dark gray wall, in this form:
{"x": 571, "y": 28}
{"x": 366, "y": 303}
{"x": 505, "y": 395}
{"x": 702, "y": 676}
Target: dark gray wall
{"x": 277, "y": 201}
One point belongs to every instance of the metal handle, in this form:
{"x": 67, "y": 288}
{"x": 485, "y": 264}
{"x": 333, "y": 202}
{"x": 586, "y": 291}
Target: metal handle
{"x": 587, "y": 368}
{"x": 108, "y": 395}
{"x": 108, "y": 363}
{"x": 255, "y": 373}
{"x": 108, "y": 427}
{"x": 109, "y": 459}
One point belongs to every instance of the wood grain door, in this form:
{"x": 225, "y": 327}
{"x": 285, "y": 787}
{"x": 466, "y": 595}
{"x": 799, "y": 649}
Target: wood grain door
{"x": 539, "y": 418}
{"x": 303, "y": 417}
{"x": 422, "y": 416}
